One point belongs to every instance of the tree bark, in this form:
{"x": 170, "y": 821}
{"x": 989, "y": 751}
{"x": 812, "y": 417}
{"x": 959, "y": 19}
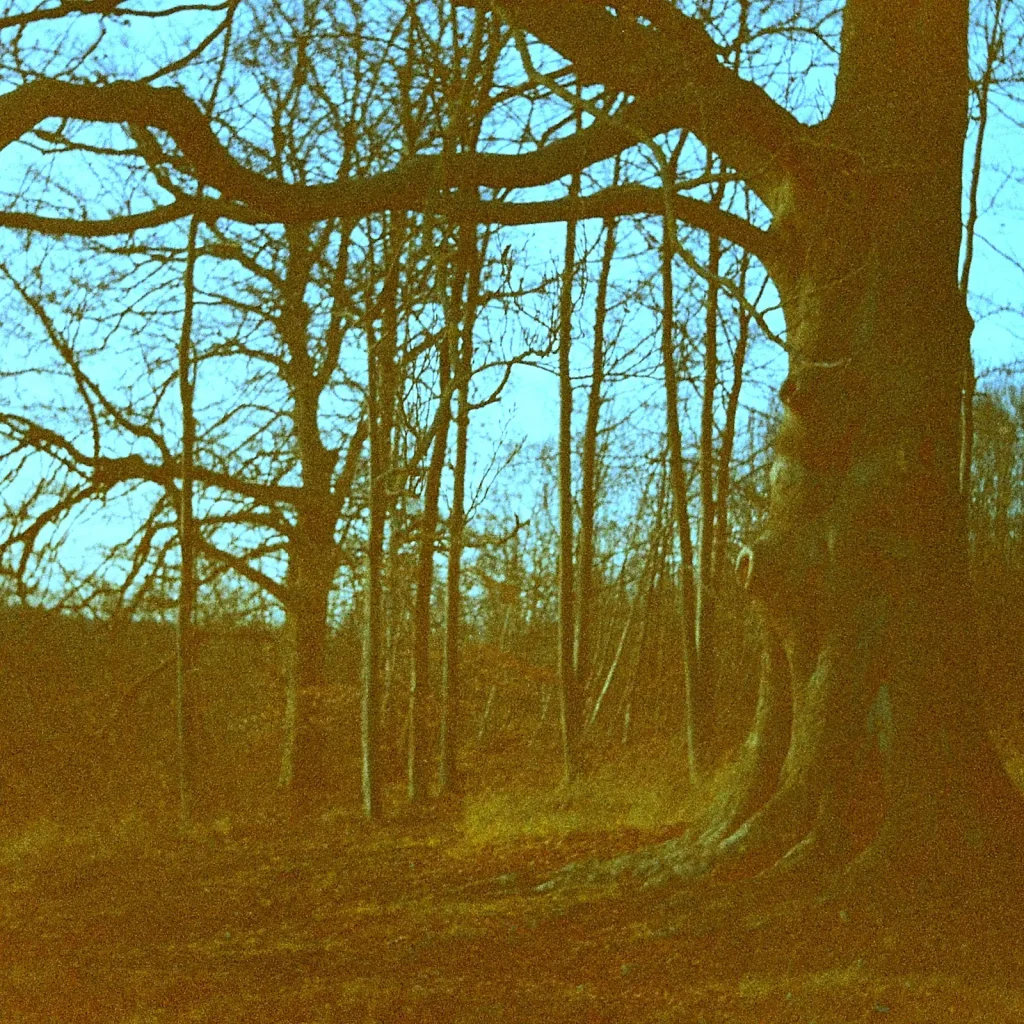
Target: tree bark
{"x": 419, "y": 687}
{"x": 382, "y": 349}
{"x": 863, "y": 568}
{"x": 695, "y": 731}
{"x": 570, "y": 704}
{"x": 186, "y": 706}
{"x": 450, "y": 778}
{"x": 585, "y": 611}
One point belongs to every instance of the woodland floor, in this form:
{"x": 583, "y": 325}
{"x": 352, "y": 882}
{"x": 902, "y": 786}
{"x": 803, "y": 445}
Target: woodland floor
{"x": 325, "y": 918}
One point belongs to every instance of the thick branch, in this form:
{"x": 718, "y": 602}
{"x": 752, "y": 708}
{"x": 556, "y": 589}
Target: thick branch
{"x": 107, "y": 472}
{"x": 61, "y": 10}
{"x": 126, "y": 224}
{"x": 245, "y": 569}
{"x": 620, "y": 201}
{"x": 616, "y": 201}
{"x": 675, "y": 64}
{"x": 415, "y": 184}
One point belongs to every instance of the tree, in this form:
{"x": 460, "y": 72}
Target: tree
{"x": 187, "y": 718}
{"x": 586, "y": 606}
{"x": 994, "y": 33}
{"x": 862, "y": 570}
{"x": 570, "y": 704}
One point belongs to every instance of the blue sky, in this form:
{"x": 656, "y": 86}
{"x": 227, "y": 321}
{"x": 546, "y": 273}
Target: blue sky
{"x": 529, "y": 409}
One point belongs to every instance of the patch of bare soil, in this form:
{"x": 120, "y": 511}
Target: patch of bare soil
{"x": 328, "y": 919}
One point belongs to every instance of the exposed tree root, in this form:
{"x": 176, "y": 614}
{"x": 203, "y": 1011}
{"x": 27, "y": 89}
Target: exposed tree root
{"x": 756, "y": 776}
{"x": 777, "y": 828}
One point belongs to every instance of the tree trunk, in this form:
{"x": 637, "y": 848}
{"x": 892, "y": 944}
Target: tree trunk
{"x": 306, "y": 768}
{"x": 724, "y": 485}
{"x": 312, "y": 552}
{"x": 570, "y": 704}
{"x": 862, "y": 571}
{"x": 382, "y": 350}
{"x": 186, "y": 708}
{"x": 995, "y": 37}
{"x": 702, "y": 705}
{"x": 450, "y": 780}
{"x": 464, "y": 133}
{"x": 695, "y": 725}
{"x": 588, "y": 471}
{"x": 420, "y": 683}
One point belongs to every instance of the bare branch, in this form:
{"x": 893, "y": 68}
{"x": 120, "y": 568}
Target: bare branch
{"x": 413, "y": 185}
{"x": 61, "y": 10}
{"x": 657, "y": 54}
{"x": 244, "y": 569}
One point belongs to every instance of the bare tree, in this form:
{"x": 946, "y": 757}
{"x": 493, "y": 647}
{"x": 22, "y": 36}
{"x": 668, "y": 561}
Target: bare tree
{"x": 447, "y": 343}
{"x": 862, "y": 566}
{"x": 680, "y": 488}
{"x": 186, "y": 701}
{"x": 570, "y": 706}
{"x": 994, "y": 35}
{"x": 586, "y": 611}
{"x": 450, "y": 781}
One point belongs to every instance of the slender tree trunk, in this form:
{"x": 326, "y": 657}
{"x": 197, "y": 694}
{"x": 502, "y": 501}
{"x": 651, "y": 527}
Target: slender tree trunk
{"x": 652, "y": 621}
{"x": 187, "y": 711}
{"x": 375, "y": 626}
{"x": 416, "y": 762}
{"x": 395, "y": 588}
{"x": 695, "y": 731}
{"x": 472, "y": 257}
{"x": 382, "y": 352}
{"x": 614, "y": 666}
{"x": 588, "y": 471}
{"x": 485, "y": 45}
{"x": 641, "y": 598}
{"x": 724, "y": 485}
{"x": 701, "y": 711}
{"x": 571, "y": 712}
{"x": 995, "y": 45}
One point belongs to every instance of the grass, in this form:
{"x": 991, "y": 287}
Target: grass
{"x": 110, "y": 913}
{"x": 639, "y": 795}
{"x": 326, "y": 918}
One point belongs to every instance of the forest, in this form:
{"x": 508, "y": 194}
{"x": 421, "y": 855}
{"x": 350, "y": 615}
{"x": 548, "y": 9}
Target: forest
{"x": 511, "y": 511}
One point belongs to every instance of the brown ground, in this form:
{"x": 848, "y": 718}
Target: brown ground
{"x": 108, "y": 914}
{"x": 327, "y": 919}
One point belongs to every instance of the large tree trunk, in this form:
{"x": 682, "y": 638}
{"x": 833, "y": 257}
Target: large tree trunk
{"x": 862, "y": 571}
{"x": 312, "y": 555}
{"x": 305, "y": 764}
